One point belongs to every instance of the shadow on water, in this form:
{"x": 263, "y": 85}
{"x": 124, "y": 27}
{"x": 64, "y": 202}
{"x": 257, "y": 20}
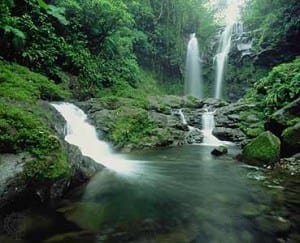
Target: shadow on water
{"x": 173, "y": 195}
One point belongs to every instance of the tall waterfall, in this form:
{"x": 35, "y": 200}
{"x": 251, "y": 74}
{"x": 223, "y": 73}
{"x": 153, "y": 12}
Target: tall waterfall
{"x": 221, "y": 58}
{"x": 193, "y": 77}
{"x": 84, "y": 136}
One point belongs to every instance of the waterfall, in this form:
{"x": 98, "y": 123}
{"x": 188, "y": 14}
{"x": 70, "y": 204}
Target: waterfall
{"x": 80, "y": 133}
{"x": 221, "y": 58}
{"x": 193, "y": 77}
{"x": 182, "y": 118}
{"x": 238, "y": 28}
{"x": 208, "y": 124}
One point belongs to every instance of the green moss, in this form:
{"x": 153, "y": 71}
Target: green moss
{"x": 133, "y": 126}
{"x": 18, "y": 83}
{"x": 291, "y": 135}
{"x": 22, "y": 125}
{"x": 48, "y": 167}
{"x": 265, "y": 149}
{"x": 252, "y": 122}
{"x": 21, "y": 130}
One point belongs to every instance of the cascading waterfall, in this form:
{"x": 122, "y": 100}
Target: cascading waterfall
{"x": 182, "y": 117}
{"x": 221, "y": 58}
{"x": 208, "y": 124}
{"x": 84, "y": 136}
{"x": 193, "y": 77}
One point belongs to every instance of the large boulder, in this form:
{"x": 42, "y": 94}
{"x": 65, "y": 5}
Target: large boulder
{"x": 291, "y": 140}
{"x": 284, "y": 118}
{"x": 263, "y": 150}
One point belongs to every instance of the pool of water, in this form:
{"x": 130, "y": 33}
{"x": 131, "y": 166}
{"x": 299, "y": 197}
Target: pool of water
{"x": 181, "y": 194}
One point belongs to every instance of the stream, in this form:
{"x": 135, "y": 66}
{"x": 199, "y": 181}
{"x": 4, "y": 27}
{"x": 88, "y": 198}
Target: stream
{"x": 181, "y": 194}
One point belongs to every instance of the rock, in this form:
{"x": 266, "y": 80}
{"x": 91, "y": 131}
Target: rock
{"x": 220, "y": 150}
{"x": 214, "y": 103}
{"x": 265, "y": 149}
{"x": 289, "y": 166}
{"x": 291, "y": 140}
{"x": 229, "y": 134}
{"x": 284, "y": 118}
{"x": 12, "y": 183}
{"x": 194, "y": 136}
{"x": 82, "y": 167}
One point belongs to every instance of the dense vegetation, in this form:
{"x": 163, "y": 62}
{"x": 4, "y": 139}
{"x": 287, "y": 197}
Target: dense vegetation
{"x": 271, "y": 93}
{"x": 276, "y": 32}
{"x": 23, "y": 125}
{"x": 96, "y": 45}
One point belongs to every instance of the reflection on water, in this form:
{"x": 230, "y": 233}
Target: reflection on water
{"x": 176, "y": 195}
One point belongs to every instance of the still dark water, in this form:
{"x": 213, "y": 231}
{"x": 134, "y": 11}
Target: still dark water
{"x": 175, "y": 195}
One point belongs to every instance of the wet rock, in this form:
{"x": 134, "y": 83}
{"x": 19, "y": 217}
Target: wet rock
{"x": 290, "y": 166}
{"x": 194, "y": 136}
{"x": 265, "y": 149}
{"x": 283, "y": 118}
{"x": 291, "y": 140}
{"x": 12, "y": 183}
{"x": 214, "y": 103}
{"x": 229, "y": 134}
{"x": 220, "y": 150}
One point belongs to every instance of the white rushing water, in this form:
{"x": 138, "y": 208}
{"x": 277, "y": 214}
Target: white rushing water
{"x": 193, "y": 79}
{"x": 208, "y": 125}
{"x": 221, "y": 59}
{"x": 84, "y": 136}
{"x": 182, "y": 117}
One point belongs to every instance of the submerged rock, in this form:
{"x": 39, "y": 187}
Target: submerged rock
{"x": 220, "y": 150}
{"x": 265, "y": 149}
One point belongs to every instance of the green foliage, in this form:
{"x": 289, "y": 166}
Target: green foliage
{"x": 163, "y": 28}
{"x": 281, "y": 86}
{"x": 18, "y": 83}
{"x": 132, "y": 127}
{"x": 276, "y": 31}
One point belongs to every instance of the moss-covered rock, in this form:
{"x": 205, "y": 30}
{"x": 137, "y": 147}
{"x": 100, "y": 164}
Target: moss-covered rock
{"x": 291, "y": 140}
{"x": 265, "y": 149}
{"x": 284, "y": 118}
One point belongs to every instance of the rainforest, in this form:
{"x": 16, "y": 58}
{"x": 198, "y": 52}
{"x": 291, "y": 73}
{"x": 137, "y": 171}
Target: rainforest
{"x": 149, "y": 121}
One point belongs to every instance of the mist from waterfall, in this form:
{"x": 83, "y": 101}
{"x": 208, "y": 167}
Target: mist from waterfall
{"x": 221, "y": 59}
{"x": 193, "y": 77}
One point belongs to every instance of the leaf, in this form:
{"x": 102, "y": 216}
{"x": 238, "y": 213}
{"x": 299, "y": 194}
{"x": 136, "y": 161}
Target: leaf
{"x": 42, "y": 4}
{"x": 58, "y": 13}
{"x": 18, "y": 33}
